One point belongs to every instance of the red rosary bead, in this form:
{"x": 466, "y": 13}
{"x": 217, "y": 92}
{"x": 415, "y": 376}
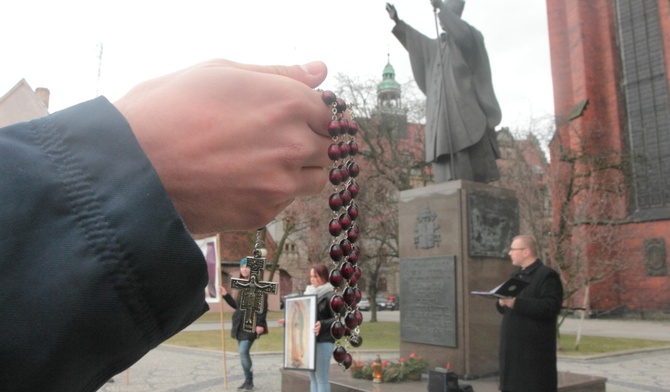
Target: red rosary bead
{"x": 343, "y": 252}
{"x": 328, "y": 97}
{"x": 335, "y": 153}
{"x": 334, "y": 128}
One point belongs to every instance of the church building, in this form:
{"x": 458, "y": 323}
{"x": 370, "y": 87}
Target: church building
{"x": 611, "y": 150}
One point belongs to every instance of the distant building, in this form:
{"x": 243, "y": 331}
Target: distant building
{"x": 524, "y": 168}
{"x": 610, "y": 63}
{"x": 21, "y": 103}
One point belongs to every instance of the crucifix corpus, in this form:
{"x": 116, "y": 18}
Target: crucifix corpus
{"x": 253, "y": 291}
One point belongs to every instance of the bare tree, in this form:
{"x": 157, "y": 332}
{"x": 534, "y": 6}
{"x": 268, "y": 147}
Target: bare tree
{"x": 299, "y": 224}
{"x": 525, "y": 170}
{"x": 588, "y": 186}
{"x": 575, "y": 209}
{"x": 392, "y": 161}
{"x": 304, "y": 224}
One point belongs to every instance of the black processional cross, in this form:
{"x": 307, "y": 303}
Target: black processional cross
{"x": 254, "y": 292}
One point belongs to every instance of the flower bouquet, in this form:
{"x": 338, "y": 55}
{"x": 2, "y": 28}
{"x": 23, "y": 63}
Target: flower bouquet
{"x": 409, "y": 368}
{"x": 413, "y": 366}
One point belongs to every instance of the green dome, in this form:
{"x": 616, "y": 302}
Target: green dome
{"x": 388, "y": 80}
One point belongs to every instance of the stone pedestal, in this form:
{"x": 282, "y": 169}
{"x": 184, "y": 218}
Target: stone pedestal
{"x": 298, "y": 380}
{"x": 454, "y": 238}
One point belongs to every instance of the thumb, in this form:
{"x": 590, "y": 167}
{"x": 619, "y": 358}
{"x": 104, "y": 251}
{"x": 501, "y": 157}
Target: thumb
{"x": 312, "y": 74}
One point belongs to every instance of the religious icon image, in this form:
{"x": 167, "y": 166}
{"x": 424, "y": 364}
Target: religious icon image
{"x": 209, "y": 248}
{"x": 299, "y": 339}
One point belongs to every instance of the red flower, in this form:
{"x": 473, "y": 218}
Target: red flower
{"x": 401, "y": 360}
{"x": 411, "y": 355}
{"x": 385, "y": 363}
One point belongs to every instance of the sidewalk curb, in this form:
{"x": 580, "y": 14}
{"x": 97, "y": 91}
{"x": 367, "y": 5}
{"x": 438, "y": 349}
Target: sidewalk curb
{"x": 612, "y": 354}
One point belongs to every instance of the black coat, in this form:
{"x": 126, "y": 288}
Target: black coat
{"x": 237, "y": 331}
{"x": 528, "y": 333}
{"x": 325, "y": 315}
{"x": 96, "y": 267}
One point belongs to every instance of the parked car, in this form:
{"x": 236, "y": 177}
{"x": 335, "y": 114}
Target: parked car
{"x": 382, "y": 304}
{"x": 395, "y": 300}
{"x": 364, "y": 304}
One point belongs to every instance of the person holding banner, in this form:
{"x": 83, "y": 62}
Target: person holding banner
{"x": 245, "y": 339}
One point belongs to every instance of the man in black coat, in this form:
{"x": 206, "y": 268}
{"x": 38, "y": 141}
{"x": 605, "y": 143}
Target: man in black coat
{"x": 528, "y": 329}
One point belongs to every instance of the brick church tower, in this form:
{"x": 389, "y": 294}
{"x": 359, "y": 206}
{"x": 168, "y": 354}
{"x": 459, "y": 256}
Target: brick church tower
{"x": 611, "y": 151}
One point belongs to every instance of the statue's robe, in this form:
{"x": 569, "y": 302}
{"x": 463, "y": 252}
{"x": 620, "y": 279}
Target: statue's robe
{"x": 461, "y": 110}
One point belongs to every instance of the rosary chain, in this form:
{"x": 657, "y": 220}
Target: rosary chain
{"x": 344, "y": 251}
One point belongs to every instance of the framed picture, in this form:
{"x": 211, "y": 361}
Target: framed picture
{"x": 299, "y": 338}
{"x": 210, "y": 249}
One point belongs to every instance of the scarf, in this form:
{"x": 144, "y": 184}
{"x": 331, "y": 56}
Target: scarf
{"x": 320, "y": 291}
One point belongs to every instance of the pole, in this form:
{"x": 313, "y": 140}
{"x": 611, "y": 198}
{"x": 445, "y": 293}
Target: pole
{"x": 223, "y": 346}
{"x": 454, "y": 175}
{"x": 223, "y": 339}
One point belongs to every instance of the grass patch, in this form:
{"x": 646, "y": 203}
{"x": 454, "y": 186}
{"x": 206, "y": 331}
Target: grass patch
{"x": 593, "y": 345}
{"x": 376, "y": 336}
{"x": 386, "y": 336}
{"x": 274, "y": 341}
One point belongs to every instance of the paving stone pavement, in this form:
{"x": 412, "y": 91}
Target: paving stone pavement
{"x": 648, "y": 371}
{"x": 178, "y": 369}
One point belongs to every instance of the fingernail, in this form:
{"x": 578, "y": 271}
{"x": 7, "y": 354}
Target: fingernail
{"x": 312, "y": 68}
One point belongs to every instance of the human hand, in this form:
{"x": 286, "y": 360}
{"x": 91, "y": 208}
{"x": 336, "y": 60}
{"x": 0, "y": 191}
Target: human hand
{"x": 259, "y": 330}
{"x": 507, "y": 302}
{"x": 223, "y": 290}
{"x": 233, "y": 144}
{"x": 317, "y": 327}
{"x": 281, "y": 322}
{"x": 393, "y": 13}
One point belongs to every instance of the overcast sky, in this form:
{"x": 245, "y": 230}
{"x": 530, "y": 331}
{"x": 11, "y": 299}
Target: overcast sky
{"x": 56, "y": 43}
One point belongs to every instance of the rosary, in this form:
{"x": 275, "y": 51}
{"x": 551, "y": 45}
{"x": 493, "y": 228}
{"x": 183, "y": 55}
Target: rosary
{"x": 343, "y": 228}
{"x": 343, "y": 250}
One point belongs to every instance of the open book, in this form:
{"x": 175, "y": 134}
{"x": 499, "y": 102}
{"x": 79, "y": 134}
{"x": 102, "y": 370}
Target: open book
{"x": 511, "y": 288}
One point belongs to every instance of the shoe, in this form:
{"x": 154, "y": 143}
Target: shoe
{"x": 247, "y": 386}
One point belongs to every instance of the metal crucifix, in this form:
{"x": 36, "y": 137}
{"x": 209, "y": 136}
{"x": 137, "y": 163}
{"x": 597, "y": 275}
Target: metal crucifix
{"x": 254, "y": 291}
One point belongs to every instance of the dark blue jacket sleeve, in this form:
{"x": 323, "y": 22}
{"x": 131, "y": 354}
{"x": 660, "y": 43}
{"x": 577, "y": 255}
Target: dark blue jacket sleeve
{"x": 96, "y": 267}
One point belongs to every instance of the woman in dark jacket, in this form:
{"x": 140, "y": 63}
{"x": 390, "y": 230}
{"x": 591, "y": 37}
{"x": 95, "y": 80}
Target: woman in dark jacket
{"x": 319, "y": 379}
{"x": 245, "y": 339}
{"x": 528, "y": 329}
